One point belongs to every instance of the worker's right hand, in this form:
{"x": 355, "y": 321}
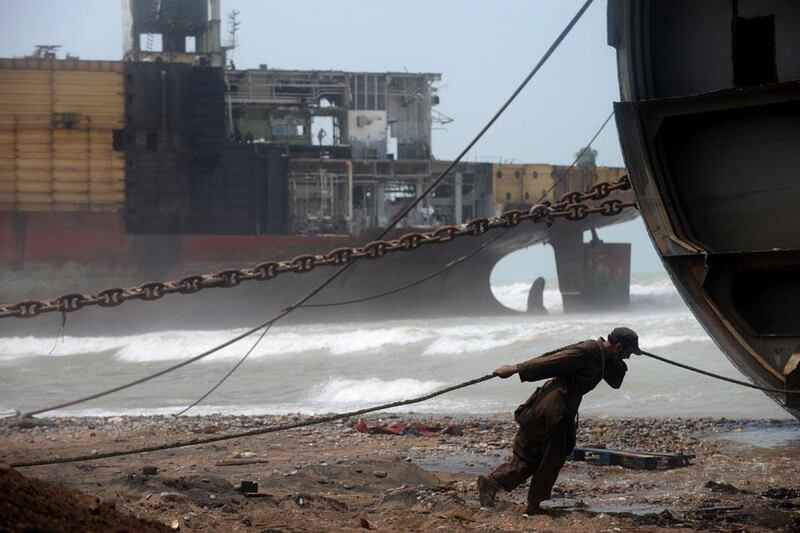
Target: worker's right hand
{"x": 506, "y": 371}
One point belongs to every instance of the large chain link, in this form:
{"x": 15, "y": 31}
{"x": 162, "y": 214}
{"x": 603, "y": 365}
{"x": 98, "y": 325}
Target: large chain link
{"x": 572, "y": 206}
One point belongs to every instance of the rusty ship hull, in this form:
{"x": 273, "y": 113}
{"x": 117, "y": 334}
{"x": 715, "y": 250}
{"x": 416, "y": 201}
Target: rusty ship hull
{"x": 710, "y": 128}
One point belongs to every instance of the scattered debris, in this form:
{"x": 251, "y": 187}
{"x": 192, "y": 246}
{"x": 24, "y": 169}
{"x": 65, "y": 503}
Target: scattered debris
{"x": 366, "y": 524}
{"x": 246, "y": 487}
{"x": 242, "y": 462}
{"x": 781, "y": 494}
{"x": 714, "y": 509}
{"x": 724, "y": 488}
{"x": 631, "y": 459}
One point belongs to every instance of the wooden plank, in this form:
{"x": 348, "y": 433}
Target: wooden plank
{"x": 78, "y": 177}
{"x": 36, "y": 64}
{"x": 103, "y": 208}
{"x": 24, "y": 75}
{"x": 25, "y": 137}
{"x": 107, "y": 174}
{"x": 70, "y": 169}
{"x": 35, "y": 174}
{"x": 33, "y": 151}
{"x": 33, "y": 164}
{"x": 23, "y": 98}
{"x": 34, "y": 206}
{"x": 71, "y": 186}
{"x": 107, "y": 198}
{"x": 71, "y": 136}
{"x": 34, "y": 186}
{"x": 100, "y": 187}
{"x": 14, "y": 122}
{"x": 71, "y": 197}
{"x": 35, "y": 197}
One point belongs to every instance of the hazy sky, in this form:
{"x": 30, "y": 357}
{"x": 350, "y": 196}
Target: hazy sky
{"x": 481, "y": 48}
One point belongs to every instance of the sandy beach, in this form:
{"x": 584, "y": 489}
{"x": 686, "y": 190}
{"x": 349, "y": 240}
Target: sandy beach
{"x": 333, "y": 478}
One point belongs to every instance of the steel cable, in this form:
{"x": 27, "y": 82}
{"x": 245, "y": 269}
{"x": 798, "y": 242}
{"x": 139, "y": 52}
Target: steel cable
{"x": 254, "y": 432}
{"x": 344, "y": 268}
{"x": 227, "y": 375}
{"x": 718, "y": 376}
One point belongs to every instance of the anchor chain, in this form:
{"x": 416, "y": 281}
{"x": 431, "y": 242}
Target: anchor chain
{"x": 572, "y": 206}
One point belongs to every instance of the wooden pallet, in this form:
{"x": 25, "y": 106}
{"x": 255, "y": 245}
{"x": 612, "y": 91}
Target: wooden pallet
{"x": 631, "y": 459}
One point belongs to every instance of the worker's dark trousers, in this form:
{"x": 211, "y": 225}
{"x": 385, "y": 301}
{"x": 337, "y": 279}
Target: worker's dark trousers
{"x": 542, "y": 460}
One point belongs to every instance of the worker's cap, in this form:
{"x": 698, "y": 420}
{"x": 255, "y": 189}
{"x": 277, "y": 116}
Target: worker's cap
{"x": 627, "y": 338}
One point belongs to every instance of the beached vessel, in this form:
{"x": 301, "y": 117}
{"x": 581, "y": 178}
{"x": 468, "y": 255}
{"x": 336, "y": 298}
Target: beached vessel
{"x": 710, "y": 128}
{"x": 172, "y": 162}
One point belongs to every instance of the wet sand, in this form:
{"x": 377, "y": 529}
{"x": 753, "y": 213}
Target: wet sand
{"x": 332, "y": 478}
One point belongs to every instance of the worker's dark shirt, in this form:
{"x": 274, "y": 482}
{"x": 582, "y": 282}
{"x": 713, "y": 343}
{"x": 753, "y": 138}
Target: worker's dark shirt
{"x": 575, "y": 370}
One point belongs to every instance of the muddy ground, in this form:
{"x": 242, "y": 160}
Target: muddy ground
{"x": 746, "y": 476}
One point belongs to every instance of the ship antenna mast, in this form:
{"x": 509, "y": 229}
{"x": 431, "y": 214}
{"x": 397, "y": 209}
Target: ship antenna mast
{"x": 233, "y": 28}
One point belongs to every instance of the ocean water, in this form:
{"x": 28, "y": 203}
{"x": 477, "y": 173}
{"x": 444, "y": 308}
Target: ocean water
{"x": 330, "y": 368}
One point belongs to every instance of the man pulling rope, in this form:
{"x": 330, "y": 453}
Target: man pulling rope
{"x": 548, "y": 420}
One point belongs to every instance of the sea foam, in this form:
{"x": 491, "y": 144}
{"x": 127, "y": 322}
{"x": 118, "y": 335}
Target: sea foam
{"x": 372, "y": 390}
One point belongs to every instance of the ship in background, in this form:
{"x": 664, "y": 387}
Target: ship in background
{"x": 710, "y": 128}
{"x": 172, "y": 162}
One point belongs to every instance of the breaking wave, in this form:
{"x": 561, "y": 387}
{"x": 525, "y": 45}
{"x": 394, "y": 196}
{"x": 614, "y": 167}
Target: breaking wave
{"x": 649, "y": 292}
{"x": 372, "y": 390}
{"x": 663, "y": 341}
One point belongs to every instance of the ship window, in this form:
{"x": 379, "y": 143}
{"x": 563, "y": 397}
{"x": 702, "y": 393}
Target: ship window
{"x": 508, "y": 196}
{"x": 118, "y": 140}
{"x": 517, "y": 174}
{"x": 499, "y": 174}
{"x": 754, "y": 51}
{"x": 535, "y": 174}
{"x": 151, "y": 42}
{"x": 152, "y": 141}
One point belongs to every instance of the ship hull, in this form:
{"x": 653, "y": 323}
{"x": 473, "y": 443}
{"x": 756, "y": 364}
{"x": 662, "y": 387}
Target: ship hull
{"x": 709, "y": 128}
{"x": 44, "y": 255}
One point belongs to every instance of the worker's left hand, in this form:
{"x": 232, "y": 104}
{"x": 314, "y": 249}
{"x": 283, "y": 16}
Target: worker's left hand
{"x": 506, "y": 371}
